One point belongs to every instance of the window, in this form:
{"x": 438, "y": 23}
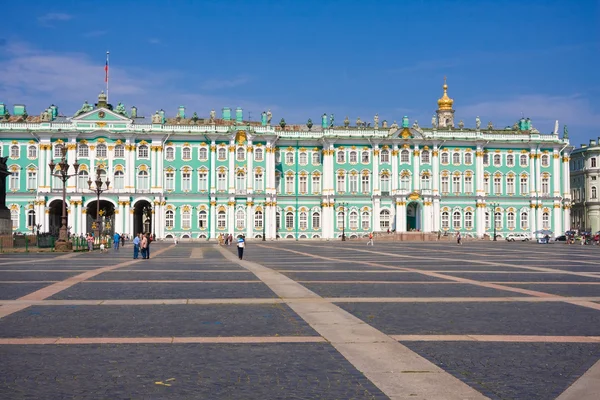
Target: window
{"x": 303, "y": 220}
{"x": 497, "y": 185}
{"x": 316, "y": 184}
{"x": 221, "y": 219}
{"x": 456, "y": 158}
{"x": 14, "y": 217}
{"x": 169, "y": 219}
{"x": 445, "y": 220}
{"x": 487, "y": 220}
{"x": 316, "y": 158}
{"x": 486, "y": 159}
{"x": 119, "y": 151}
{"x": 240, "y": 219}
{"x": 468, "y": 220}
{"x": 30, "y": 219}
{"x": 341, "y": 157}
{"x": 365, "y": 220}
{"x": 385, "y": 182}
{"x": 170, "y": 181}
{"x": 404, "y": 156}
{"x": 545, "y": 186}
{"x": 545, "y": 160}
{"x": 384, "y": 156}
{"x": 353, "y": 220}
{"x": 82, "y": 179}
{"x": 240, "y": 182}
{"x": 425, "y": 181}
{"x": 221, "y": 181}
{"x": 186, "y": 219}
{"x": 445, "y": 184}
{"x": 289, "y": 220}
{"x": 222, "y": 153}
{"x": 510, "y": 220}
{"x": 510, "y": 160}
{"x": 594, "y": 192}
{"x": 593, "y": 162}
{"x": 277, "y": 156}
{"x": 143, "y": 151}
{"x": 143, "y": 180}
{"x": 186, "y": 153}
{"x": 32, "y": 152}
{"x": 119, "y": 180}
{"x": 366, "y": 184}
{"x": 84, "y": 151}
{"x": 468, "y": 184}
{"x": 524, "y": 185}
{"x": 31, "y": 180}
{"x": 353, "y": 183}
{"x": 14, "y": 151}
{"x": 14, "y": 181}
{"x": 510, "y": 185}
{"x": 523, "y": 160}
{"x": 303, "y": 184}
{"x": 101, "y": 151}
{"x": 340, "y": 220}
{"x": 384, "y": 220}
{"x": 58, "y": 150}
{"x": 278, "y": 182}
{"x": 425, "y": 157}
{"x": 202, "y": 220}
{"x": 405, "y": 181}
{"x": 303, "y": 158}
{"x": 353, "y": 157}
{"x": 456, "y": 220}
{"x": 316, "y": 221}
{"x": 524, "y": 220}
{"x": 258, "y": 219}
{"x": 240, "y": 154}
{"x": 258, "y": 181}
{"x": 186, "y": 181}
{"x": 341, "y": 183}
{"x": 258, "y": 154}
{"x": 203, "y": 153}
{"x": 545, "y": 220}
{"x": 468, "y": 158}
{"x": 365, "y": 157}
{"x": 170, "y": 154}
{"x": 486, "y": 184}
{"x": 497, "y": 160}
{"x": 445, "y": 159}
{"x": 289, "y": 184}
{"x": 498, "y": 219}
{"x": 202, "y": 181}
{"x": 289, "y": 157}
{"x": 456, "y": 184}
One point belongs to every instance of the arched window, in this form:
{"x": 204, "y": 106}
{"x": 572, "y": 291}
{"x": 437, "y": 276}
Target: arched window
{"x": 303, "y": 220}
{"x": 240, "y": 154}
{"x": 404, "y": 156}
{"x": 101, "y": 151}
{"x": 32, "y": 180}
{"x": 258, "y": 181}
{"x": 119, "y": 180}
{"x": 510, "y": 220}
{"x": 143, "y": 151}
{"x": 186, "y": 219}
{"x": 545, "y": 220}
{"x": 364, "y": 158}
{"x": 353, "y": 157}
{"x": 258, "y": 154}
{"x": 340, "y": 220}
{"x": 405, "y": 181}
{"x": 203, "y": 153}
{"x": 316, "y": 221}
{"x": 32, "y": 152}
{"x": 510, "y": 160}
{"x": 240, "y": 219}
{"x": 456, "y": 220}
{"x": 468, "y": 158}
{"x": 523, "y": 160}
{"x": 498, "y": 219}
{"x": 14, "y": 151}
{"x": 497, "y": 160}
{"x": 202, "y": 219}
{"x": 487, "y": 219}
{"x": 468, "y": 220}
{"x": 486, "y": 159}
{"x": 221, "y": 219}
{"x": 289, "y": 157}
{"x": 316, "y": 158}
{"x": 303, "y": 158}
{"x": 384, "y": 220}
{"x": 594, "y": 192}
{"x": 545, "y": 160}
{"x": 30, "y": 219}
{"x": 341, "y": 157}
{"x": 365, "y": 183}
{"x": 385, "y": 182}
{"x": 14, "y": 181}
{"x": 524, "y": 220}
{"x": 142, "y": 182}
{"x": 14, "y": 217}
{"x": 593, "y": 162}
{"x": 425, "y": 157}
{"x": 222, "y": 181}
{"x": 384, "y": 156}
{"x": 186, "y": 153}
{"x": 445, "y": 184}
{"x": 456, "y": 158}
{"x": 365, "y": 220}
{"x": 258, "y": 219}
{"x": 83, "y": 150}
{"x": 119, "y": 151}
{"x": 524, "y": 185}
{"x": 445, "y": 159}
{"x": 58, "y": 150}
{"x": 545, "y": 186}
{"x": 169, "y": 219}
{"x": 289, "y": 220}
{"x": 222, "y": 153}
{"x": 353, "y": 220}
{"x": 425, "y": 181}
{"x": 445, "y": 220}
{"x": 240, "y": 182}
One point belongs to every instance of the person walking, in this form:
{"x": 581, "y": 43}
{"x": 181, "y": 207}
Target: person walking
{"x": 116, "y": 241}
{"x": 122, "y": 236}
{"x": 136, "y": 247}
{"x": 149, "y": 239}
{"x": 241, "y": 244}
{"x": 370, "y": 242}
{"x": 143, "y": 245}
{"x": 458, "y": 238}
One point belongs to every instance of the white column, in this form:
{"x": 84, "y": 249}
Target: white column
{"x": 153, "y": 168}
{"x": 376, "y": 188}
{"x": 160, "y": 161}
{"x": 129, "y": 170}
{"x": 479, "y": 219}
{"x": 328, "y": 221}
{"x": 213, "y": 172}
{"x": 213, "y": 219}
{"x": 416, "y": 168}
{"x": 328, "y": 172}
{"x": 231, "y": 216}
{"x": 46, "y": 223}
{"x": 92, "y": 154}
{"x": 538, "y": 172}
{"x": 250, "y": 173}
{"x": 250, "y": 219}
{"x": 556, "y": 173}
{"x": 557, "y": 219}
{"x": 479, "y": 173}
{"x": 395, "y": 175}
{"x": 566, "y": 218}
{"x": 401, "y": 215}
{"x": 435, "y": 166}
{"x": 376, "y": 211}
{"x": 427, "y": 216}
{"x": 532, "y": 218}
{"x": 231, "y": 172}
{"x": 42, "y": 168}
{"x": 539, "y": 216}
{"x": 127, "y": 218}
{"x": 119, "y": 217}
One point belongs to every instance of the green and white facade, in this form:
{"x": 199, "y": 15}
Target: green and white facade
{"x": 200, "y": 177}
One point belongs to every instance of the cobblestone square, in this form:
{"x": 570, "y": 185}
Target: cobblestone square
{"x": 299, "y": 319}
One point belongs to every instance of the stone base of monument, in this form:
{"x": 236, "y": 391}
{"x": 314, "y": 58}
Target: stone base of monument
{"x": 63, "y": 246}
{"x": 5, "y": 223}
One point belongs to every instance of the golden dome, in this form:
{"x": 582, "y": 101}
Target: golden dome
{"x": 445, "y": 102}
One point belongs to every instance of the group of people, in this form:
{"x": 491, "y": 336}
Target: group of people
{"x": 141, "y": 244}
{"x": 227, "y": 239}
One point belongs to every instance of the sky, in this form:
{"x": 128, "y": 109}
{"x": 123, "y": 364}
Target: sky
{"x": 300, "y": 59}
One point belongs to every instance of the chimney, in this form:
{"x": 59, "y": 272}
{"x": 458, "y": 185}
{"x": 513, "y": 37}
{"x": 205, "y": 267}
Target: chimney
{"x": 592, "y": 142}
{"x": 239, "y": 115}
{"x": 583, "y": 146}
{"x": 181, "y": 112}
{"x": 19, "y": 109}
{"x": 134, "y": 112}
{"x": 54, "y": 110}
{"x": 162, "y": 115}
{"x": 226, "y": 114}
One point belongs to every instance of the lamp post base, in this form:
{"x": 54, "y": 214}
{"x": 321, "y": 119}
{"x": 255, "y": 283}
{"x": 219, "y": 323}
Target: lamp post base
{"x": 63, "y": 246}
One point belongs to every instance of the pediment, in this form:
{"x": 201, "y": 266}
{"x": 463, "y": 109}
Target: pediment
{"x": 101, "y": 115}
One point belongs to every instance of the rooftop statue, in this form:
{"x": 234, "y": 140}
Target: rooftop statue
{"x": 157, "y": 118}
{"x": 384, "y": 124}
{"x": 263, "y": 118}
{"x": 46, "y": 116}
{"x": 331, "y": 119}
{"x": 376, "y": 120}
{"x": 461, "y": 124}
{"x": 84, "y": 108}
{"x": 434, "y": 122}
{"x": 394, "y": 125}
{"x": 346, "y": 121}
{"x": 309, "y": 124}
{"x": 195, "y": 117}
{"x": 269, "y": 116}
{"x": 555, "y": 128}
{"x": 490, "y": 126}
{"x": 359, "y": 123}
{"x": 565, "y": 132}
{"x": 213, "y": 115}
{"x": 477, "y": 123}
{"x": 416, "y": 125}
{"x": 120, "y": 109}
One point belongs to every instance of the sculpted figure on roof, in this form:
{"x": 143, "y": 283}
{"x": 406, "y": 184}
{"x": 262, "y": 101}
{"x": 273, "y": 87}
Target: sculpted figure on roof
{"x": 156, "y": 118}
{"x": 84, "y": 108}
{"x": 376, "y": 120}
{"x": 477, "y": 123}
{"x": 269, "y": 116}
{"x": 120, "y": 109}
{"x": 213, "y": 115}
{"x": 434, "y": 121}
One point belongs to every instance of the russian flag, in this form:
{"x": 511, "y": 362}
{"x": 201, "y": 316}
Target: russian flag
{"x": 106, "y": 72}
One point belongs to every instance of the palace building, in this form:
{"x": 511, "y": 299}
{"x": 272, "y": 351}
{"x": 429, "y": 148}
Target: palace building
{"x": 585, "y": 183}
{"x": 189, "y": 176}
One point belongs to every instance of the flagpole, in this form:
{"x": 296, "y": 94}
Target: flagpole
{"x": 107, "y": 53}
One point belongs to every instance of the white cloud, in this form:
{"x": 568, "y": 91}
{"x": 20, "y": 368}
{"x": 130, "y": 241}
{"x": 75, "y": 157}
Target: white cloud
{"x": 48, "y": 19}
{"x": 215, "y": 84}
{"x": 154, "y": 41}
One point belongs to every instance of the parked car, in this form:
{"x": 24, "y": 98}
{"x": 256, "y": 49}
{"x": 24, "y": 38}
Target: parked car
{"x": 512, "y": 237}
{"x": 561, "y": 238}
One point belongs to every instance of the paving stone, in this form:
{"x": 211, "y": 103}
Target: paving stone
{"x": 441, "y": 266}
{"x": 501, "y": 318}
{"x": 155, "y": 321}
{"x": 180, "y": 265}
{"x": 405, "y": 290}
{"x": 35, "y": 276}
{"x": 512, "y": 370}
{"x": 199, "y": 276}
{"x": 525, "y": 277}
{"x": 119, "y": 291}
{"x": 366, "y": 276}
{"x": 12, "y": 291}
{"x": 563, "y": 290}
{"x": 290, "y": 371}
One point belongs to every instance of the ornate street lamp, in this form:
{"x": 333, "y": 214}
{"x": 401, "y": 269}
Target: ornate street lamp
{"x": 343, "y": 205}
{"x": 98, "y": 190}
{"x": 494, "y": 205}
{"x": 63, "y": 244}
